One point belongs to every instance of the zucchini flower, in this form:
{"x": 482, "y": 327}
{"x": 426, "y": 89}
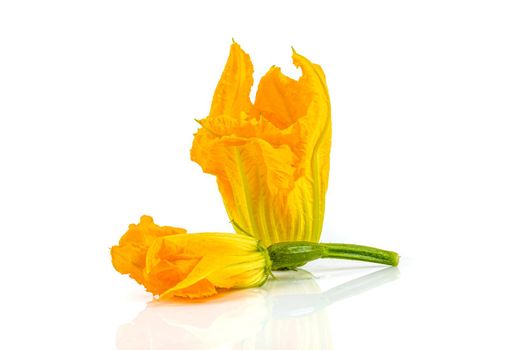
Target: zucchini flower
{"x": 270, "y": 157}
{"x": 170, "y": 263}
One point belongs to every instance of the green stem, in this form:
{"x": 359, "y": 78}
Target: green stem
{"x": 290, "y": 255}
{"x": 360, "y": 252}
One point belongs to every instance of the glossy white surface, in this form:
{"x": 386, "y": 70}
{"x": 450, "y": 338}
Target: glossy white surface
{"x": 290, "y": 311}
{"x": 97, "y": 107}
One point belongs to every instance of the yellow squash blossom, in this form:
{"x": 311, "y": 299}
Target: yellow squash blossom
{"x": 270, "y": 157}
{"x": 195, "y": 265}
{"x": 168, "y": 262}
{"x": 129, "y": 256}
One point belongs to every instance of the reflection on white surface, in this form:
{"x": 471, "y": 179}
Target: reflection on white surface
{"x": 289, "y": 312}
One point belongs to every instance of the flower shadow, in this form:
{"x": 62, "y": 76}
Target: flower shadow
{"x": 290, "y": 312}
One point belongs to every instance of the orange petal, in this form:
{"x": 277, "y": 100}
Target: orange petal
{"x": 232, "y": 92}
{"x": 282, "y": 100}
{"x": 129, "y": 259}
{"x": 167, "y": 274}
{"x": 200, "y": 289}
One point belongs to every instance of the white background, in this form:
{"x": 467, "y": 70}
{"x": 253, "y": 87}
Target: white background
{"x": 97, "y": 108}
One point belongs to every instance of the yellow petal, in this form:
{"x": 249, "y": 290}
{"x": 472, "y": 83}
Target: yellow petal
{"x": 257, "y": 174}
{"x": 244, "y": 274}
{"x": 318, "y": 123}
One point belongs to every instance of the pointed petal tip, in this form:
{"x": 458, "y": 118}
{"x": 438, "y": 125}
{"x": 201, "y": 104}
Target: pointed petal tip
{"x": 295, "y": 56}
{"x": 235, "y": 44}
{"x": 236, "y": 48}
{"x": 274, "y": 68}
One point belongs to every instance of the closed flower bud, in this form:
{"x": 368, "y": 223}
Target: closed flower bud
{"x": 168, "y": 262}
